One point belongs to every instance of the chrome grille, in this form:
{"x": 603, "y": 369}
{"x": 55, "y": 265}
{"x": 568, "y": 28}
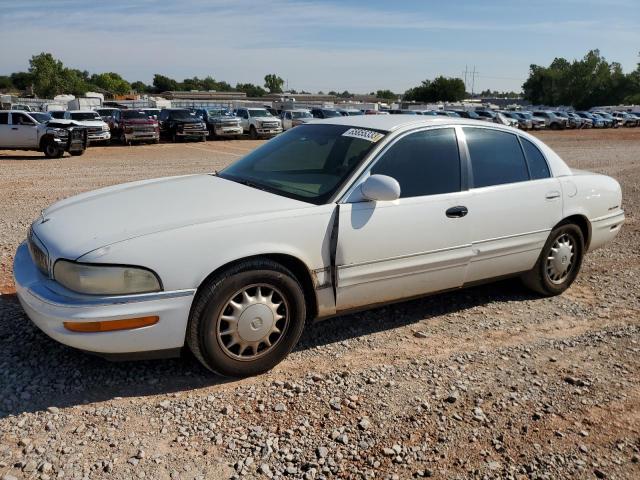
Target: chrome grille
{"x": 37, "y": 255}
{"x": 270, "y": 125}
{"x": 192, "y": 126}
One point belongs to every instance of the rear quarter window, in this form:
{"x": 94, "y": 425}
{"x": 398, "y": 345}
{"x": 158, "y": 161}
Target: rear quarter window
{"x": 538, "y": 167}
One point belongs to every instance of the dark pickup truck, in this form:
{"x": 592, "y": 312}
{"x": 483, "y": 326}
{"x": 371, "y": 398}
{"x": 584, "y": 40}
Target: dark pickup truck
{"x": 179, "y": 123}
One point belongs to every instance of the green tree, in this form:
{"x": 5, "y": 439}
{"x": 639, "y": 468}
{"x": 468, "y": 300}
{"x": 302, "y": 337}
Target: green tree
{"x": 441, "y": 89}
{"x": 164, "y": 84}
{"x": 386, "y": 94}
{"x": 48, "y": 75}
{"x": 273, "y": 83}
{"x": 140, "y": 87}
{"x": 21, "y": 80}
{"x": 6, "y": 83}
{"x": 251, "y": 90}
{"x": 111, "y": 82}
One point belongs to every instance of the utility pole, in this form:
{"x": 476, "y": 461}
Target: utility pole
{"x": 466, "y": 70}
{"x": 473, "y": 79}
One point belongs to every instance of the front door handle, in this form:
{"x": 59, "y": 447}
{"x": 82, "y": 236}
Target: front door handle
{"x": 14, "y": 128}
{"x": 457, "y": 212}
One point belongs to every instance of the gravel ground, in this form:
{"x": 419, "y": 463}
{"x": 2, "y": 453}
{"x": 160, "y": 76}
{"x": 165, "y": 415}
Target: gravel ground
{"x": 490, "y": 382}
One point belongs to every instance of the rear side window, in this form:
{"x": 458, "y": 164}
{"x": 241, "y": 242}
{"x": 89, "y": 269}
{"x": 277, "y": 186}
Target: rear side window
{"x": 538, "y": 167}
{"x": 423, "y": 163}
{"x": 496, "y": 157}
{"x": 4, "y": 118}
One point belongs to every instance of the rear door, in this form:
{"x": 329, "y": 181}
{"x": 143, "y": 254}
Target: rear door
{"x": 514, "y": 203}
{"x": 24, "y": 130}
{"x": 414, "y": 245}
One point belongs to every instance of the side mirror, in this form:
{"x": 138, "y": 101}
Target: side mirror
{"x": 380, "y": 188}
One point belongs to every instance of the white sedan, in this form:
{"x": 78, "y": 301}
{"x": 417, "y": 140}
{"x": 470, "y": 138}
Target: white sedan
{"x": 333, "y": 215}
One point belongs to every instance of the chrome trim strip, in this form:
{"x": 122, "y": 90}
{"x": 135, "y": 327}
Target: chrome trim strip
{"x": 48, "y": 296}
{"x": 512, "y": 236}
{"x": 619, "y": 213}
{"x": 401, "y": 257}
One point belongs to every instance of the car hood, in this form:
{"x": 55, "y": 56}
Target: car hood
{"x": 80, "y": 224}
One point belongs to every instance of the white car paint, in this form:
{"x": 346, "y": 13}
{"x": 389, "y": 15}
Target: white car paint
{"x": 185, "y": 228}
{"x": 97, "y": 129}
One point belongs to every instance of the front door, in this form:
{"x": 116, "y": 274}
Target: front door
{"x": 24, "y": 131}
{"x": 417, "y": 244}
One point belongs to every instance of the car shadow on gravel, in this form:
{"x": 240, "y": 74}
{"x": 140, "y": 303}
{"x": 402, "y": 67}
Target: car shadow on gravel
{"x": 36, "y": 372}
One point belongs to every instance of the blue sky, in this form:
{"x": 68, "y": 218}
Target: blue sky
{"x": 319, "y": 45}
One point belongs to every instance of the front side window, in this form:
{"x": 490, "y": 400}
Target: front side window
{"x": 308, "y": 163}
{"x": 496, "y": 157}
{"x": 21, "y": 119}
{"x": 537, "y": 163}
{"x": 423, "y": 163}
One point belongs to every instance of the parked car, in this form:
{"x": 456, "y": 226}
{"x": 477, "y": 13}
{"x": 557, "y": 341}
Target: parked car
{"x": 609, "y": 121}
{"x": 151, "y": 112}
{"x": 220, "y": 122}
{"x": 331, "y": 216}
{"x": 581, "y": 122}
{"x": 467, "y": 114}
{"x": 552, "y": 121}
{"x": 58, "y": 114}
{"x": 259, "y": 122}
{"x": 272, "y": 111}
{"x": 293, "y": 118}
{"x": 488, "y": 115}
{"x": 21, "y": 130}
{"x": 21, "y": 106}
{"x": 571, "y": 122}
{"x": 398, "y": 111}
{"x": 430, "y": 113}
{"x": 130, "y": 126}
{"x": 98, "y": 130}
{"x": 179, "y": 124}
{"x": 596, "y": 121}
{"x": 106, "y": 113}
{"x": 350, "y": 112}
{"x": 626, "y": 119}
{"x": 536, "y": 123}
{"x": 516, "y": 120}
{"x": 446, "y": 113}
{"x": 324, "y": 113}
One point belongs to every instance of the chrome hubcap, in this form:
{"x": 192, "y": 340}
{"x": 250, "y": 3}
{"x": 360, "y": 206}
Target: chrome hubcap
{"x": 560, "y": 259}
{"x": 252, "y": 322}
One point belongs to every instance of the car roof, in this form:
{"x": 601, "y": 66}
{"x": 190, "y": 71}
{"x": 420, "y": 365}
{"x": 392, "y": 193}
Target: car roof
{"x": 390, "y": 123}
{"x": 82, "y": 111}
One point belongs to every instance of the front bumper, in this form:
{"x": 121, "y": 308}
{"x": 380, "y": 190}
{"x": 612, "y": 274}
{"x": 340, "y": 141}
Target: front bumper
{"x": 141, "y": 135}
{"x": 269, "y": 131}
{"x": 223, "y": 131}
{"x": 48, "y": 305}
{"x": 99, "y": 136}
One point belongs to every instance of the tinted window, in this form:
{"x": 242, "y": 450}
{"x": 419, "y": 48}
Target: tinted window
{"x": 496, "y": 157}
{"x": 21, "y": 119}
{"x": 537, "y": 164}
{"x": 4, "y": 118}
{"x": 423, "y": 163}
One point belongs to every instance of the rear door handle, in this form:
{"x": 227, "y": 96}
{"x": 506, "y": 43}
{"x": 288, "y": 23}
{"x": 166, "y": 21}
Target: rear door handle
{"x": 552, "y": 195}
{"x": 457, "y": 212}
{"x": 14, "y": 128}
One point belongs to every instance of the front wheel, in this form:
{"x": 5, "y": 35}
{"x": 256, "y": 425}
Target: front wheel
{"x": 51, "y": 150}
{"x": 253, "y": 133}
{"x": 246, "y": 320}
{"x": 559, "y": 262}
{"x": 77, "y": 153}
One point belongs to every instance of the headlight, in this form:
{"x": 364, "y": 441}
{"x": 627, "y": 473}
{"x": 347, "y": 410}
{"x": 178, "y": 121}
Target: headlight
{"x": 104, "y": 279}
{"x": 105, "y": 128}
{"x": 60, "y": 132}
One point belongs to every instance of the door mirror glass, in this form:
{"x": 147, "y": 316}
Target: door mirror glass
{"x": 380, "y": 188}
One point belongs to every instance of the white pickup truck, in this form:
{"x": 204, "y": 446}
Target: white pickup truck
{"x": 258, "y": 122}
{"x": 98, "y": 129}
{"x": 38, "y": 131}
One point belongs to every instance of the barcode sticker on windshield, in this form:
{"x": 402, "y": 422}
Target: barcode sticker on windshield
{"x": 369, "y": 135}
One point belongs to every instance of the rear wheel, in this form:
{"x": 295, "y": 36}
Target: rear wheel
{"x": 247, "y": 319}
{"x": 559, "y": 261}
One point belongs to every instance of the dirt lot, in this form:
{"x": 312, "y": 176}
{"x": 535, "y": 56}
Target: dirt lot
{"x": 490, "y": 382}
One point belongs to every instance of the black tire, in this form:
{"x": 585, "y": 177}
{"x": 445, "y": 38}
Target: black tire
{"x": 203, "y": 138}
{"x": 51, "y": 150}
{"x": 212, "y": 301}
{"x": 174, "y": 137}
{"x": 539, "y": 278}
{"x": 77, "y": 153}
{"x": 253, "y": 133}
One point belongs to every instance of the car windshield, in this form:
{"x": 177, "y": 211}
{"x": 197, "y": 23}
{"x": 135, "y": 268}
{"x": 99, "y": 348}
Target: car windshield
{"x": 129, "y": 114}
{"x": 354, "y": 112}
{"x": 217, "y": 112}
{"x": 85, "y": 116}
{"x": 259, "y": 113}
{"x": 331, "y": 113}
{"x": 105, "y": 112}
{"x": 41, "y": 117}
{"x": 301, "y": 115}
{"x": 307, "y": 163}
{"x": 181, "y": 115}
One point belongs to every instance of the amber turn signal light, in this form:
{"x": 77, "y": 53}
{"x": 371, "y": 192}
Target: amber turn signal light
{"x": 111, "y": 325}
